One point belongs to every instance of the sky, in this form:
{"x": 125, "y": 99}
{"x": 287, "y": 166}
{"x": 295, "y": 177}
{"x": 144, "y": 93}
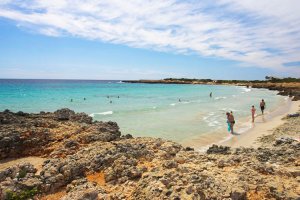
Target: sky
{"x": 147, "y": 39}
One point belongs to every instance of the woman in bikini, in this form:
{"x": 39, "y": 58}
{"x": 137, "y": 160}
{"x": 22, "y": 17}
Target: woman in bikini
{"x": 253, "y": 113}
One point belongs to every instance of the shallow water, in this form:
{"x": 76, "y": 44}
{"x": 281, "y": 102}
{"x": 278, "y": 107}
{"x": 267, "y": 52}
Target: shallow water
{"x": 141, "y": 109}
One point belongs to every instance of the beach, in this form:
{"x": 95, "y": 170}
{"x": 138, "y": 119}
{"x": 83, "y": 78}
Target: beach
{"x": 263, "y": 125}
{"x": 149, "y": 100}
{"x": 143, "y": 110}
{"x": 245, "y": 132}
{"x": 83, "y": 158}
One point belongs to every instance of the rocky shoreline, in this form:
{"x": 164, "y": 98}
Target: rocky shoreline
{"x": 291, "y": 89}
{"x": 86, "y": 159}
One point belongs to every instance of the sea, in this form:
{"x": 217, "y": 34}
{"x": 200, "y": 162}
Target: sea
{"x": 181, "y": 113}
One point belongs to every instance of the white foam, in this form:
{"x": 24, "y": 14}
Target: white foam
{"x": 214, "y": 123}
{"x": 102, "y": 113}
{"x": 218, "y": 98}
{"x": 244, "y": 128}
{"x": 154, "y": 107}
{"x": 228, "y": 109}
{"x": 246, "y": 89}
{"x": 186, "y": 102}
{"x": 172, "y": 104}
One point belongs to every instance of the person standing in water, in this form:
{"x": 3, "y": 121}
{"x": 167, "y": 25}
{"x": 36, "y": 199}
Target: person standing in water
{"x": 262, "y": 106}
{"x": 231, "y": 121}
{"x": 210, "y": 95}
{"x": 253, "y": 113}
{"x": 228, "y": 123}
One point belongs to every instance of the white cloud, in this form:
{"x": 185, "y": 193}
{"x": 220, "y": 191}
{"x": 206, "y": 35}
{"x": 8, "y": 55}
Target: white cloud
{"x": 255, "y": 33}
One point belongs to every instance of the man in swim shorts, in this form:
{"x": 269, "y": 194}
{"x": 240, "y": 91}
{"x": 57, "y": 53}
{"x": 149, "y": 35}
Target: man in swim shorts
{"x": 231, "y": 121}
{"x": 262, "y": 106}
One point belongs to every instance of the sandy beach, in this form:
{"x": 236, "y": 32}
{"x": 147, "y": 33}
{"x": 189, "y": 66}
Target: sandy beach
{"x": 246, "y": 132}
{"x": 263, "y": 125}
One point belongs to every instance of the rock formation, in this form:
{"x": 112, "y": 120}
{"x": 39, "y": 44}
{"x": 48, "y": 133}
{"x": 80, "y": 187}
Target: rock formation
{"x": 91, "y": 160}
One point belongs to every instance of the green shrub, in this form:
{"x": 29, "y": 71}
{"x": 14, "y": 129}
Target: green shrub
{"x": 22, "y": 173}
{"x": 22, "y": 195}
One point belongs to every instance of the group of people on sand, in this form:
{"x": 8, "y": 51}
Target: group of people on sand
{"x": 230, "y": 117}
{"x": 262, "y": 108}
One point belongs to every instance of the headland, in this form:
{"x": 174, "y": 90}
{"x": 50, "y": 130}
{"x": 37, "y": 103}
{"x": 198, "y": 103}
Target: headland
{"x": 287, "y": 86}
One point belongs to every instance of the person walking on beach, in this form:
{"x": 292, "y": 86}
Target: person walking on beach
{"x": 262, "y": 106}
{"x": 253, "y": 113}
{"x": 231, "y": 121}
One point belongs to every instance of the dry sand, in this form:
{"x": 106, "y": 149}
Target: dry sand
{"x": 263, "y": 125}
{"x": 36, "y": 161}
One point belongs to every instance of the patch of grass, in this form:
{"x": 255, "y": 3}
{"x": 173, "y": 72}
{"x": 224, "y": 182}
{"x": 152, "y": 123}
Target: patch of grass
{"x": 23, "y": 195}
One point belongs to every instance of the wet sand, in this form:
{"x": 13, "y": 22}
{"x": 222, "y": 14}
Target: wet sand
{"x": 246, "y": 132}
{"x": 263, "y": 125}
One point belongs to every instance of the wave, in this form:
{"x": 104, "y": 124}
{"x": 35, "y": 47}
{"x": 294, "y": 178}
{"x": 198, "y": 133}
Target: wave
{"x": 229, "y": 109}
{"x": 211, "y": 119}
{"x": 172, "y": 104}
{"x": 219, "y": 98}
{"x": 102, "y": 113}
{"x": 213, "y": 123}
{"x": 246, "y": 89}
{"x": 186, "y": 102}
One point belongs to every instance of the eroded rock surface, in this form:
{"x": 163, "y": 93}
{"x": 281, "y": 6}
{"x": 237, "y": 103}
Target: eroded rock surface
{"x": 91, "y": 160}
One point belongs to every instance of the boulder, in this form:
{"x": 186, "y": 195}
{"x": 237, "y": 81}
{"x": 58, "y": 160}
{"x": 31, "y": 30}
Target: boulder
{"x": 64, "y": 114}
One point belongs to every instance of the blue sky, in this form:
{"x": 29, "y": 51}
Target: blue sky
{"x": 144, "y": 39}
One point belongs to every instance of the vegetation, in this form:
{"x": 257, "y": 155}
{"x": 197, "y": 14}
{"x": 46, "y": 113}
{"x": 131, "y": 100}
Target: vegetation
{"x": 22, "y": 195}
{"x": 268, "y": 79}
{"x": 188, "y": 79}
{"x": 22, "y": 174}
{"x": 282, "y": 80}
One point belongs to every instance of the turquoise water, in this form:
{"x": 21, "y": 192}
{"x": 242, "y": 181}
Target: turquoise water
{"x": 142, "y": 109}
